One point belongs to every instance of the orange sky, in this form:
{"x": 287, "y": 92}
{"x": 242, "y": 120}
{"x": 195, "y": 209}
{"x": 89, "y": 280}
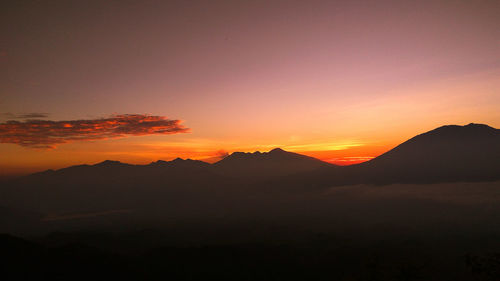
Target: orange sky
{"x": 342, "y": 81}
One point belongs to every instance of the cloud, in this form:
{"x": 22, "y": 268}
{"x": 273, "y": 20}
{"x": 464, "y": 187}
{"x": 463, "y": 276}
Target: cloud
{"x": 349, "y": 160}
{"x": 49, "y": 134}
{"x": 33, "y": 115}
{"x": 222, "y": 154}
{"x": 215, "y": 156}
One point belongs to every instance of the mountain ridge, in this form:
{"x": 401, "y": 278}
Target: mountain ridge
{"x": 469, "y": 149}
{"x": 184, "y": 184}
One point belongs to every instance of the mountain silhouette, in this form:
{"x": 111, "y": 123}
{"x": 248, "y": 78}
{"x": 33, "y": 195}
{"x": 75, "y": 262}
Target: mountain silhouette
{"x": 275, "y": 163}
{"x": 181, "y": 163}
{"x": 253, "y": 198}
{"x": 448, "y": 153}
{"x": 108, "y": 168}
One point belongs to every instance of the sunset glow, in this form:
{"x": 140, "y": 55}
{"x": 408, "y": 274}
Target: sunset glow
{"x": 342, "y": 81}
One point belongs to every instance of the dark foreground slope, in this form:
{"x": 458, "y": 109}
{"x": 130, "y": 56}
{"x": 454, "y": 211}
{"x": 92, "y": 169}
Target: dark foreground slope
{"x": 363, "y": 232}
{"x": 327, "y": 259}
{"x": 396, "y": 232}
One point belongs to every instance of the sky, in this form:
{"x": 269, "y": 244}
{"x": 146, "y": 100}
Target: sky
{"x": 139, "y": 81}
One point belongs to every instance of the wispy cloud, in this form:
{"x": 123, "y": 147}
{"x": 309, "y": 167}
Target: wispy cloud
{"x": 349, "y": 160}
{"x": 324, "y": 146}
{"x": 32, "y": 115}
{"x": 48, "y": 134}
{"x": 221, "y": 154}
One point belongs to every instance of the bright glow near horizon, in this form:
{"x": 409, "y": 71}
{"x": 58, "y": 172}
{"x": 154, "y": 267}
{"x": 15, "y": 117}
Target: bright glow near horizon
{"x": 343, "y": 81}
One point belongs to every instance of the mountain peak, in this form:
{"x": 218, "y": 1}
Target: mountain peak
{"x": 448, "y": 152}
{"x": 276, "y": 150}
{"x": 158, "y": 162}
{"x": 471, "y": 130}
{"x": 274, "y": 163}
{"x": 179, "y": 161}
{"x": 108, "y": 163}
{"x": 468, "y": 126}
{"x": 479, "y": 126}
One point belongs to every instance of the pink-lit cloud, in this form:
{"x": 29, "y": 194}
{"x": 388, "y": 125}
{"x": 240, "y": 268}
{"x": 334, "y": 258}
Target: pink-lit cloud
{"x": 49, "y": 134}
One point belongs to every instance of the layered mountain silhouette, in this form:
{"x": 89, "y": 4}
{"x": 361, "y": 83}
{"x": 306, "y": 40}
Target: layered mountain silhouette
{"x": 446, "y": 154}
{"x": 238, "y": 165}
{"x": 122, "y": 219}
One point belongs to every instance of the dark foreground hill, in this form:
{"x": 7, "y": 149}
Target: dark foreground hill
{"x": 81, "y": 256}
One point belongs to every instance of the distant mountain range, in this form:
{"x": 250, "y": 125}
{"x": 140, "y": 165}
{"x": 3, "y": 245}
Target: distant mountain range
{"x": 446, "y": 154}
